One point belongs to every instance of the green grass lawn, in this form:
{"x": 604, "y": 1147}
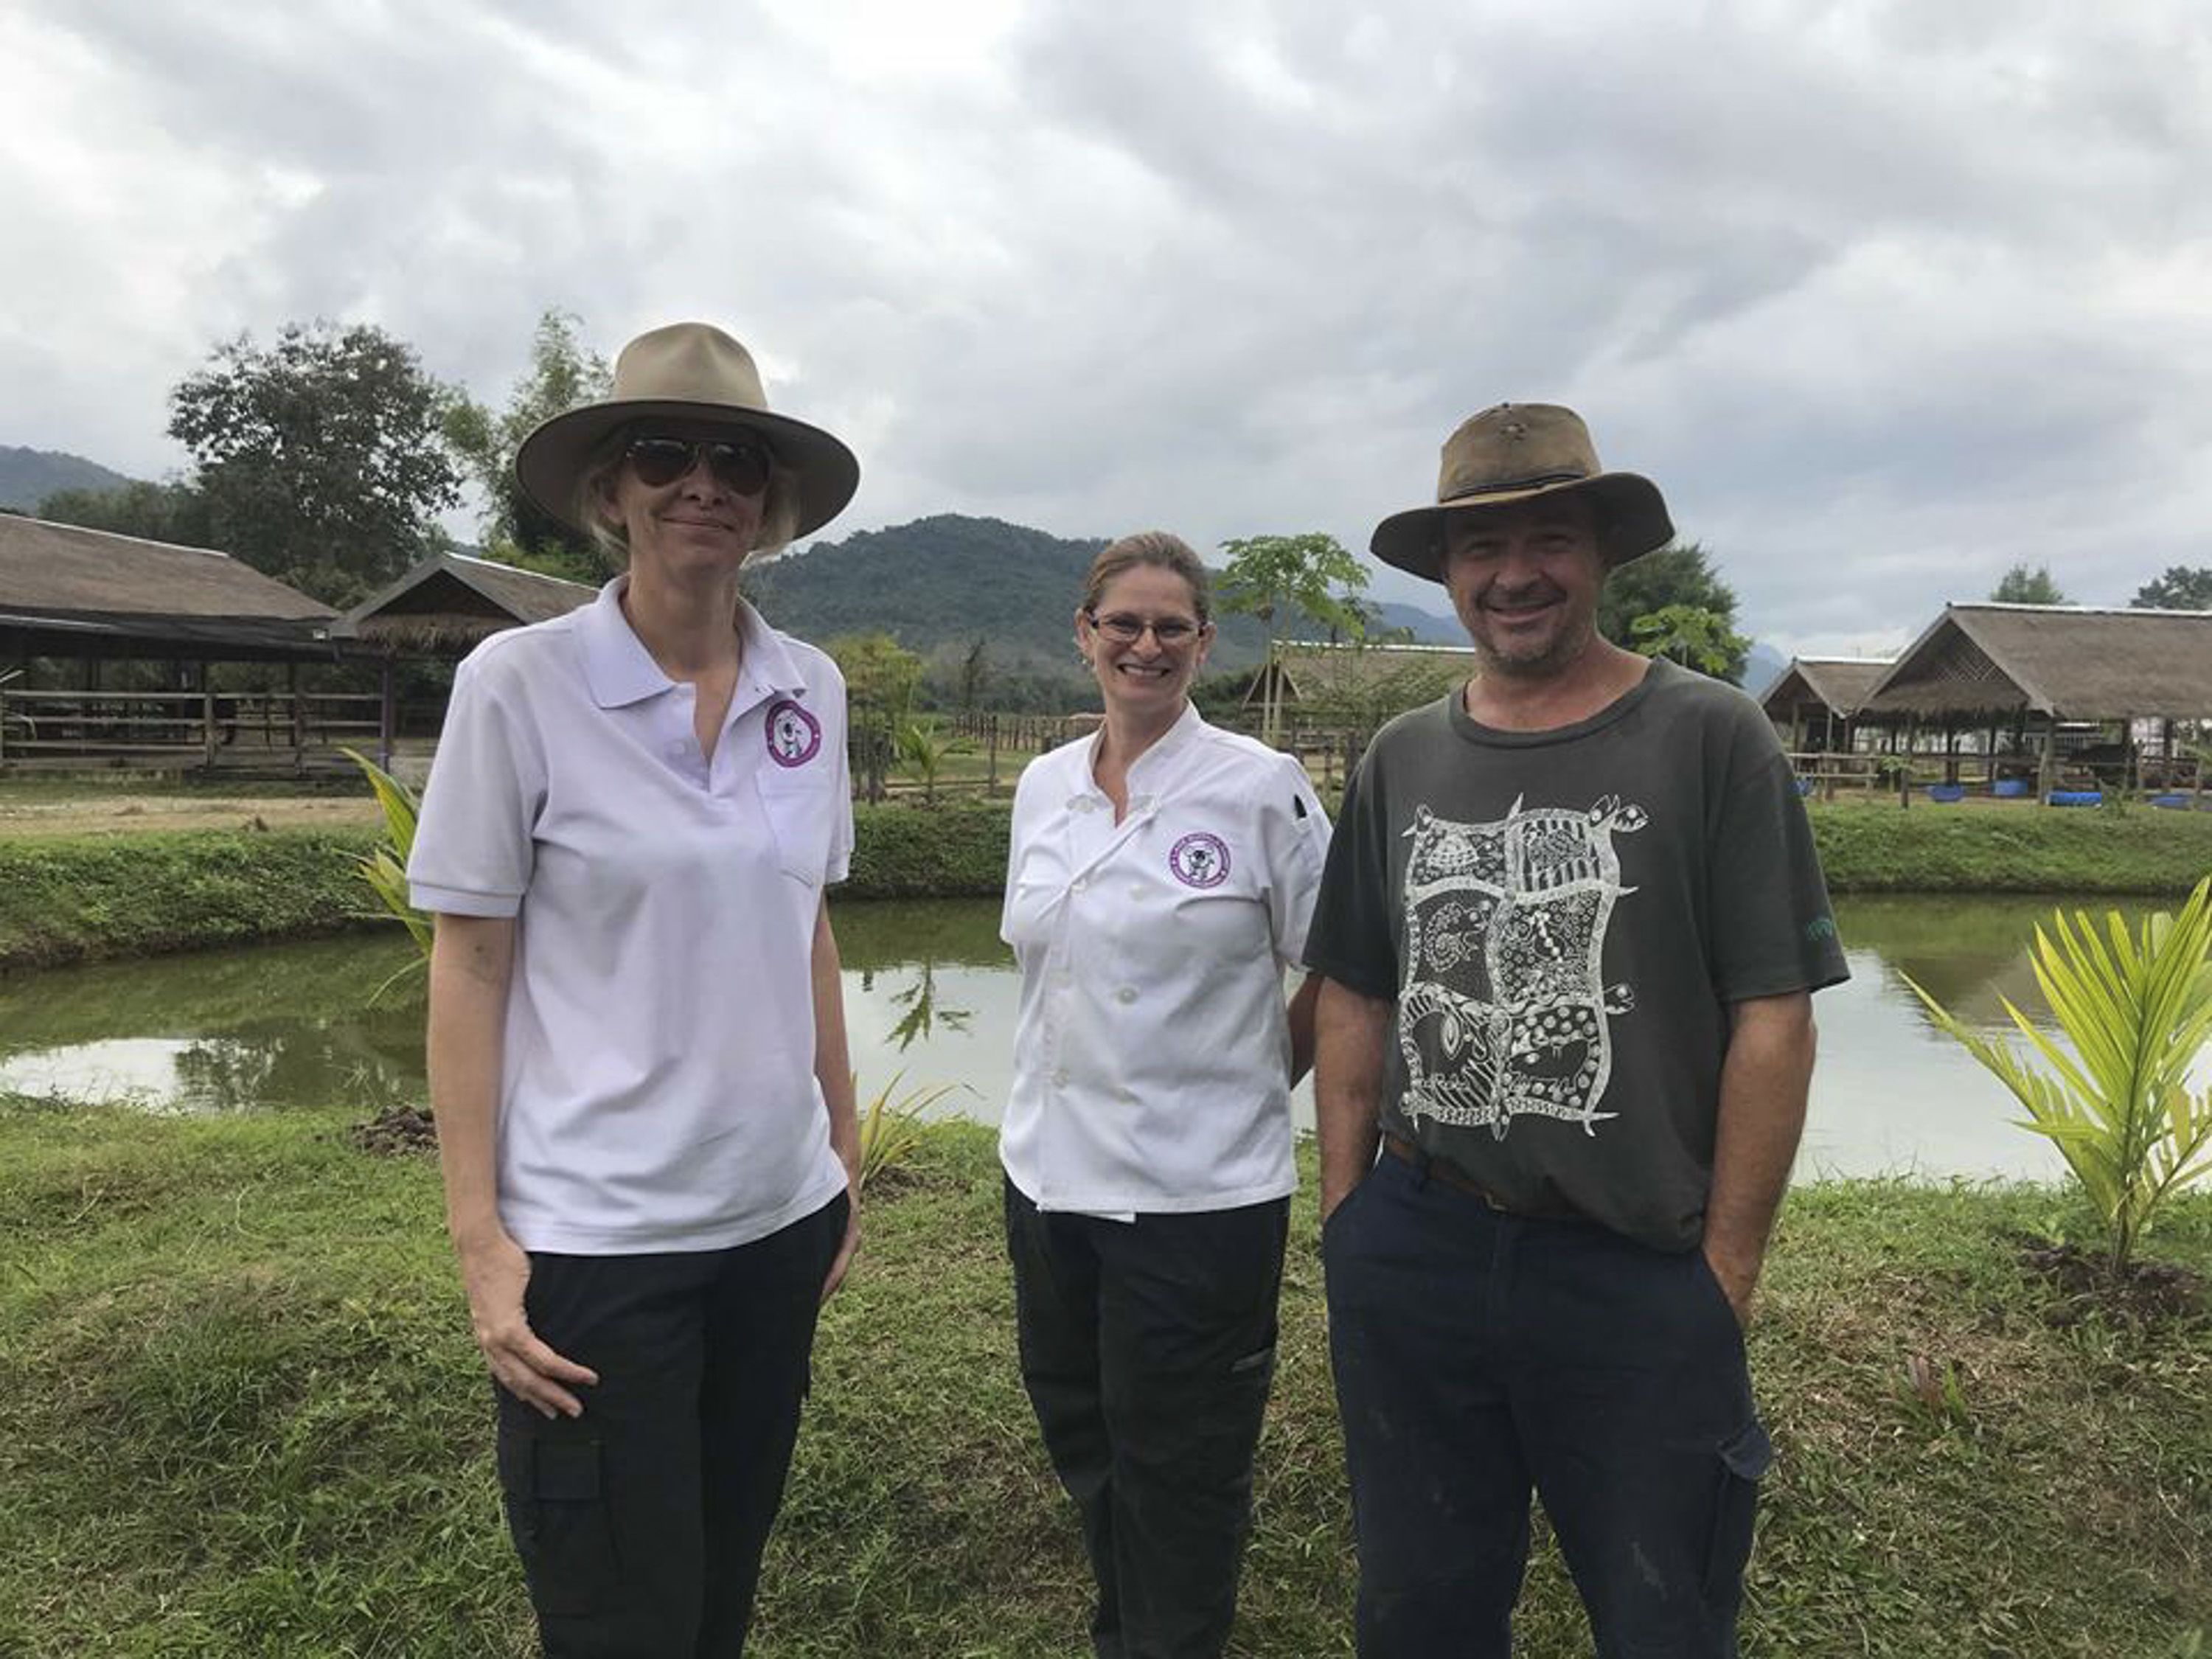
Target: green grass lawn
{"x": 243, "y": 1417}
{"x": 2016, "y": 846}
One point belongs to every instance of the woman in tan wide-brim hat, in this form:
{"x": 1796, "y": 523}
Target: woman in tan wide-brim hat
{"x": 637, "y": 1040}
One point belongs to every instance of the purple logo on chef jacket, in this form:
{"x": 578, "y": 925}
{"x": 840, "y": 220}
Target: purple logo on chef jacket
{"x": 1199, "y": 860}
{"x": 794, "y": 737}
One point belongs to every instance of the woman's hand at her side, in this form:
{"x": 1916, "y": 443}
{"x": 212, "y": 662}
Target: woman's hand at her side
{"x": 494, "y": 1273}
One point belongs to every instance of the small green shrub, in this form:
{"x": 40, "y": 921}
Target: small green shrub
{"x": 2136, "y": 1009}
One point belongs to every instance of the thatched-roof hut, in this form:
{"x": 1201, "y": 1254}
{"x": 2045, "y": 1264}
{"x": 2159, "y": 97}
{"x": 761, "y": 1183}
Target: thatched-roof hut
{"x": 441, "y": 609}
{"x": 1353, "y": 687}
{"x": 2037, "y": 667}
{"x": 1820, "y": 696}
{"x": 90, "y": 594}
{"x": 449, "y": 602}
{"x": 2063, "y": 662}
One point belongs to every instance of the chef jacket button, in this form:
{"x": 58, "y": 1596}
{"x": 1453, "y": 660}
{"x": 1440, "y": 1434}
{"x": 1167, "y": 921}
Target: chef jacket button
{"x": 1081, "y": 883}
{"x": 1136, "y": 891}
{"x": 1127, "y": 994}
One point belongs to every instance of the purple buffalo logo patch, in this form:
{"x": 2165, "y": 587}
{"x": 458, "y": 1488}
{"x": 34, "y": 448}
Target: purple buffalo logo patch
{"x": 1199, "y": 860}
{"x": 794, "y": 737}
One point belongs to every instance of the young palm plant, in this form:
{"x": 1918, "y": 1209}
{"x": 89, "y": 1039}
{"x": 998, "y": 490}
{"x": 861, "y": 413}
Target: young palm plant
{"x": 2136, "y": 1009}
{"x": 891, "y": 1130}
{"x": 384, "y": 867}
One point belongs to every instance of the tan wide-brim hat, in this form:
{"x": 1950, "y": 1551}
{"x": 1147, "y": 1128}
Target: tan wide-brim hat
{"x": 686, "y": 372}
{"x": 1518, "y": 453}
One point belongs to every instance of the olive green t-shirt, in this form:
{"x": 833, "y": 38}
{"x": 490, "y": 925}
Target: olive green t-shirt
{"x": 1562, "y": 918}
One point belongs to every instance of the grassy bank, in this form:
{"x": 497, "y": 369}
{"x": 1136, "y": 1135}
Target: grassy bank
{"x": 1874, "y": 847}
{"x": 254, "y": 1424}
{"x": 72, "y": 898}
{"x": 66, "y": 898}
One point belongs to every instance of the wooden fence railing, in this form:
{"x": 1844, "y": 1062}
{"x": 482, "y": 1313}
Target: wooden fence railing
{"x": 214, "y": 731}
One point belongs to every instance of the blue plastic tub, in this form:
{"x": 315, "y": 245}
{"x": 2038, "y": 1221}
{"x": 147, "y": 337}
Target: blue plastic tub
{"x": 2012, "y": 788}
{"x": 2077, "y": 798}
{"x": 1946, "y": 793}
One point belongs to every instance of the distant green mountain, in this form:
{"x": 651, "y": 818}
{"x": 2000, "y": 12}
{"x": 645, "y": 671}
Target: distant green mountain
{"x": 28, "y": 476}
{"x": 940, "y": 584}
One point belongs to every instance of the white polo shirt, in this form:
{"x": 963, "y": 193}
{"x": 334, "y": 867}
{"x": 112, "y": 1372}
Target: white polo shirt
{"x": 657, "y": 1090}
{"x": 1151, "y": 1063}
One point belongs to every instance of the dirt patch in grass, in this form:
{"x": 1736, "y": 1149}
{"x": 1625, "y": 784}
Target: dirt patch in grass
{"x": 396, "y": 1132}
{"x": 2149, "y": 1292}
{"x": 121, "y": 815}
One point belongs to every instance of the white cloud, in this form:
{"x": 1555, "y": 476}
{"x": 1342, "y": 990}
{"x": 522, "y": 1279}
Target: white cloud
{"x": 1887, "y": 296}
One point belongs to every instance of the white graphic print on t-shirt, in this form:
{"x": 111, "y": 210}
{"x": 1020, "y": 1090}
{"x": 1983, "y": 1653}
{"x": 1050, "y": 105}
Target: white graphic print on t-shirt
{"x": 1503, "y": 1006}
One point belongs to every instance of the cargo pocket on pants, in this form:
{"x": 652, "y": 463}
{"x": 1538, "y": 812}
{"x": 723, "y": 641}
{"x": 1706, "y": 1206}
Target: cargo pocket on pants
{"x": 557, "y": 1513}
{"x": 1744, "y": 1457}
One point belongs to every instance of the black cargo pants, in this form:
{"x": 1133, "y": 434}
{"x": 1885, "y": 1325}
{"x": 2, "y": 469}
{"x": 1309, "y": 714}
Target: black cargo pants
{"x": 1147, "y": 1348}
{"x": 641, "y": 1523}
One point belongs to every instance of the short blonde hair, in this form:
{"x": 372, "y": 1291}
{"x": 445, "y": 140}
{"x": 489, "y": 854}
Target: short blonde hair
{"x": 1156, "y": 548}
{"x": 778, "y": 510}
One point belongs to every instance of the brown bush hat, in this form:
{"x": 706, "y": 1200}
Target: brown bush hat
{"x": 1516, "y": 452}
{"x": 686, "y": 372}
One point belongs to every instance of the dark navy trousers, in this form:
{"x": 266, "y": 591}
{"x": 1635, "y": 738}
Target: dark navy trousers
{"x": 1147, "y": 1348}
{"x": 1479, "y": 1355}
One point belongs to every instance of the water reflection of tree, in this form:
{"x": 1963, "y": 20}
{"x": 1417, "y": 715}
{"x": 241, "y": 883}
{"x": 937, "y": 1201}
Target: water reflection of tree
{"x": 924, "y": 1012}
{"x": 301, "y": 1064}
{"x": 222, "y": 1074}
{"x": 1971, "y": 952}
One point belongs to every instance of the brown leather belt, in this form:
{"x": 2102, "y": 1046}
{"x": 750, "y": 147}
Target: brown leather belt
{"x": 1436, "y": 1170}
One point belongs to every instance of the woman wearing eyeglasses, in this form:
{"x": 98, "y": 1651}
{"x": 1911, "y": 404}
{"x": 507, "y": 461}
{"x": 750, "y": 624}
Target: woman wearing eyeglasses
{"x": 1159, "y": 881}
{"x": 637, "y": 1044}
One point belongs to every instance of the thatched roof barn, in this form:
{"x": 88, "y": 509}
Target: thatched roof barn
{"x": 2066, "y": 663}
{"x": 448, "y": 603}
{"x": 69, "y": 591}
{"x": 1327, "y": 684}
{"x": 1817, "y": 697}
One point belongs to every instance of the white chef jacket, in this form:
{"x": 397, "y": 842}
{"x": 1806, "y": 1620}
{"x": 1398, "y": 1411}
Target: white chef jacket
{"x": 657, "y": 1087}
{"x": 1152, "y": 1057}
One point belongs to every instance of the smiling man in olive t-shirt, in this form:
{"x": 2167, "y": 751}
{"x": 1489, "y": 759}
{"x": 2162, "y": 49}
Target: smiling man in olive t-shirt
{"x": 1570, "y": 929}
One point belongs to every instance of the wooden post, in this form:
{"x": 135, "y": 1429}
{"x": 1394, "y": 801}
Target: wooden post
{"x": 298, "y": 717}
{"x": 2047, "y": 775}
{"x": 991, "y": 738}
{"x": 207, "y": 727}
{"x": 387, "y": 713}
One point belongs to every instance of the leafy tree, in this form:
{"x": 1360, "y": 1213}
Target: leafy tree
{"x": 1281, "y": 579}
{"x": 154, "y": 512}
{"x": 1673, "y": 579}
{"x": 975, "y": 674}
{"x": 562, "y": 373}
{"x": 2021, "y": 586}
{"x": 2184, "y": 588}
{"x": 1695, "y": 637}
{"x": 322, "y": 459}
{"x": 880, "y": 677}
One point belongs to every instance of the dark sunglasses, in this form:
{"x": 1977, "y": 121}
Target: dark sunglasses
{"x": 742, "y": 467}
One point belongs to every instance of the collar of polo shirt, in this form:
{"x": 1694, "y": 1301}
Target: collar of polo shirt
{"x": 620, "y": 670}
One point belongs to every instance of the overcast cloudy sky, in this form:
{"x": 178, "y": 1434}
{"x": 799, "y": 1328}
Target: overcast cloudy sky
{"x": 1885, "y": 296}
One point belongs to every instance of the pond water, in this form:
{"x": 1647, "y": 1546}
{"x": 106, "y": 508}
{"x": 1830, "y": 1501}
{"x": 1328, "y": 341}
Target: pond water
{"x": 930, "y": 997}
